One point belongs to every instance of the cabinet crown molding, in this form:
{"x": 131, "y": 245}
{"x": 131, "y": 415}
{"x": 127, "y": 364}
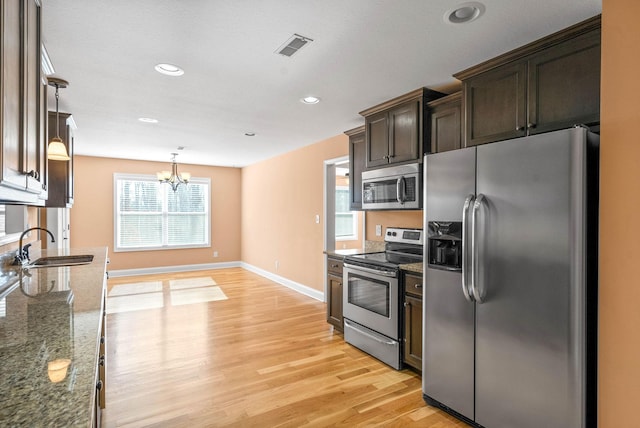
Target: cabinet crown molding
{"x": 355, "y": 131}
{"x": 417, "y": 94}
{"x": 444, "y": 100}
{"x": 568, "y": 33}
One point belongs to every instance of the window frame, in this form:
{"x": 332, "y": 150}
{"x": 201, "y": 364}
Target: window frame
{"x": 165, "y": 188}
{"x": 354, "y": 217}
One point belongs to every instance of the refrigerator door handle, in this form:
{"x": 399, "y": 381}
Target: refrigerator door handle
{"x": 466, "y": 291}
{"x": 476, "y": 285}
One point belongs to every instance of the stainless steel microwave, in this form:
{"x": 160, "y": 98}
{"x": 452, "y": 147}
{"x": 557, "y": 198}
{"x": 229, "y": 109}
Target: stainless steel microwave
{"x": 393, "y": 188}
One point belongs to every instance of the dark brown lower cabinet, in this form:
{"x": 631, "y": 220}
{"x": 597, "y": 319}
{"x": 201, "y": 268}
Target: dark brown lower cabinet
{"x": 334, "y": 292}
{"x": 412, "y": 340}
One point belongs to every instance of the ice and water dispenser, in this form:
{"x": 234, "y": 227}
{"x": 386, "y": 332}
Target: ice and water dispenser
{"x": 445, "y": 245}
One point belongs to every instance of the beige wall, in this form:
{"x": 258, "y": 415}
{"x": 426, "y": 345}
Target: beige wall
{"x": 410, "y": 219}
{"x": 619, "y": 323}
{"x": 280, "y": 199}
{"x": 92, "y": 212}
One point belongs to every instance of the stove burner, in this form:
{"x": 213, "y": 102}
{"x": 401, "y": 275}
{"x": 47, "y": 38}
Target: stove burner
{"x": 398, "y": 251}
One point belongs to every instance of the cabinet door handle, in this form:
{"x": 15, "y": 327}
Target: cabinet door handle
{"x": 519, "y": 128}
{"x": 99, "y": 385}
{"x": 407, "y": 304}
{"x": 418, "y": 286}
{"x": 531, "y": 125}
{"x": 334, "y": 266}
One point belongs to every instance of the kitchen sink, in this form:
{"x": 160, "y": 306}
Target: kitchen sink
{"x": 53, "y": 261}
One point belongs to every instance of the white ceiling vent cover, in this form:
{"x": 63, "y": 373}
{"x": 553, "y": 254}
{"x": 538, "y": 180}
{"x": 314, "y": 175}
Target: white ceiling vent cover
{"x": 293, "y": 45}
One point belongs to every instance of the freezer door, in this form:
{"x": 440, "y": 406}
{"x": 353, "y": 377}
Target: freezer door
{"x": 447, "y": 354}
{"x": 529, "y": 328}
{"x": 448, "y": 318}
{"x": 449, "y": 178}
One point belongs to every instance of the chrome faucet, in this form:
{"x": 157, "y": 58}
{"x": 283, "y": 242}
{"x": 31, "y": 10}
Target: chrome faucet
{"x": 23, "y": 252}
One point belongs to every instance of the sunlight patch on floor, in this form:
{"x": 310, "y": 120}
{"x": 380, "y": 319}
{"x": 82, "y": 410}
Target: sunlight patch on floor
{"x": 178, "y": 284}
{"x": 134, "y": 302}
{"x": 140, "y": 296}
{"x": 196, "y": 295}
{"x": 136, "y": 288}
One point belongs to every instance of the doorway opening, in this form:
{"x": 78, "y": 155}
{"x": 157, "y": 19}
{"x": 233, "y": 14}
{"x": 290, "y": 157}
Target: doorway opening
{"x": 344, "y": 229}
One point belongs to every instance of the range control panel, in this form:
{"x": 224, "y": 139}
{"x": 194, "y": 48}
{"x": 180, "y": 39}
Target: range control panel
{"x": 408, "y": 236}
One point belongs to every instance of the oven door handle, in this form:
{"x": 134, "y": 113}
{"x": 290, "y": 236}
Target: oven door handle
{"x": 369, "y": 270}
{"x": 370, "y": 336}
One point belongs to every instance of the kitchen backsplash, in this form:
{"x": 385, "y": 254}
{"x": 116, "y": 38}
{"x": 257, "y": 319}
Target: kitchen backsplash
{"x": 408, "y": 219}
{"x": 373, "y": 246}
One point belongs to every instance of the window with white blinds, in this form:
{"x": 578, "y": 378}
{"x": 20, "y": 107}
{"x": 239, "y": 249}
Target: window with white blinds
{"x": 151, "y": 216}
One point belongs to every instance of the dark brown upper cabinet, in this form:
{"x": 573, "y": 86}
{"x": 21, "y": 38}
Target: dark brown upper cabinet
{"x": 552, "y": 83}
{"x": 356, "y": 166}
{"x": 395, "y": 130}
{"x": 446, "y": 123}
{"x": 23, "y": 171}
{"x": 61, "y": 172}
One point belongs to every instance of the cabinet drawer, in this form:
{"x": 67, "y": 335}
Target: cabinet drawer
{"x": 413, "y": 285}
{"x": 334, "y": 266}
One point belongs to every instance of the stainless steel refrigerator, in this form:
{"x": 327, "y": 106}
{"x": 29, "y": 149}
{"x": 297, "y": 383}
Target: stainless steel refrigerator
{"x": 510, "y": 292}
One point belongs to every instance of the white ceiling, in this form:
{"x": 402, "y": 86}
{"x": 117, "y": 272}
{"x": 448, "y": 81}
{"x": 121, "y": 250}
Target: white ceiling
{"x": 364, "y": 52}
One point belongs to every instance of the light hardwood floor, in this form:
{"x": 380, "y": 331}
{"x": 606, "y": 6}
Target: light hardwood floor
{"x": 265, "y": 357}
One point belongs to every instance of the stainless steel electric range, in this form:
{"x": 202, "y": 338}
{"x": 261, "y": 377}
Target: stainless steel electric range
{"x": 372, "y": 295}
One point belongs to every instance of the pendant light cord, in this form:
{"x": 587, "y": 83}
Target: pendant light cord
{"x": 57, "y": 114}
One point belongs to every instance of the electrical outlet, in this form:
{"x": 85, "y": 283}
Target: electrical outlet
{"x": 215, "y": 254}
{"x": 317, "y": 218}
{"x": 378, "y": 230}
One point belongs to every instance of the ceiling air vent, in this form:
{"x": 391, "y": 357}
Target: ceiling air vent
{"x": 293, "y": 45}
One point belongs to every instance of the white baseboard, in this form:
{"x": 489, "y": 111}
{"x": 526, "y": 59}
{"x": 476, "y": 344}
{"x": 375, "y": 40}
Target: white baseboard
{"x": 169, "y": 269}
{"x": 300, "y": 288}
{"x": 296, "y": 286}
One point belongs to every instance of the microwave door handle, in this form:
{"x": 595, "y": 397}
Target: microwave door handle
{"x": 466, "y": 292}
{"x": 400, "y": 190}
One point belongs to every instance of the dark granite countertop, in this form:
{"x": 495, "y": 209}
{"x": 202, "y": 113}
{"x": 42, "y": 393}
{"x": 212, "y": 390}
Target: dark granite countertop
{"x": 412, "y": 267}
{"x": 342, "y": 253}
{"x": 50, "y": 314}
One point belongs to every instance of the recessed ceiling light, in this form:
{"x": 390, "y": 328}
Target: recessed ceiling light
{"x": 169, "y": 69}
{"x": 310, "y": 100}
{"x": 250, "y": 134}
{"x": 148, "y": 120}
{"x": 465, "y": 12}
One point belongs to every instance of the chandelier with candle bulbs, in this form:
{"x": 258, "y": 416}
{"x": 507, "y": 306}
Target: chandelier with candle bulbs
{"x": 172, "y": 177}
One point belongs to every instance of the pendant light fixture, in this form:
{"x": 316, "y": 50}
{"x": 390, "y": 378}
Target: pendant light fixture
{"x": 173, "y": 177}
{"x": 57, "y": 150}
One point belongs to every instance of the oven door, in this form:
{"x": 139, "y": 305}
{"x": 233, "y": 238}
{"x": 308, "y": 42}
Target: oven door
{"x": 371, "y": 299}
